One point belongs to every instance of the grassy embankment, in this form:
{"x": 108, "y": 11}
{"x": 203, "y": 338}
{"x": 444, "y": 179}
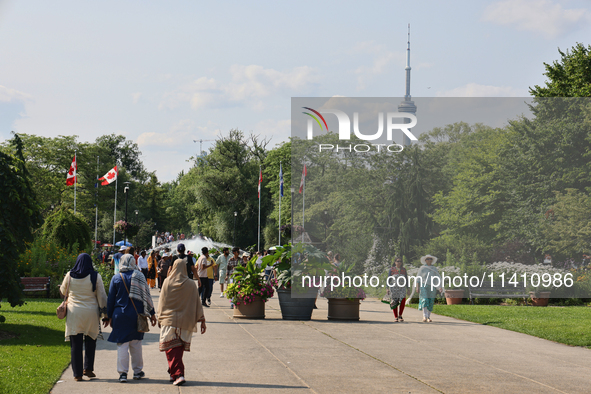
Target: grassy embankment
{"x": 568, "y": 325}
{"x": 35, "y": 359}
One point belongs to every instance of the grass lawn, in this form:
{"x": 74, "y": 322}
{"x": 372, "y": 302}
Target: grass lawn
{"x": 34, "y": 360}
{"x": 568, "y": 325}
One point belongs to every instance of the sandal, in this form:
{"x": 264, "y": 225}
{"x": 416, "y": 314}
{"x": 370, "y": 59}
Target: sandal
{"x": 424, "y": 319}
{"x": 401, "y": 319}
{"x": 429, "y": 320}
{"x": 396, "y": 321}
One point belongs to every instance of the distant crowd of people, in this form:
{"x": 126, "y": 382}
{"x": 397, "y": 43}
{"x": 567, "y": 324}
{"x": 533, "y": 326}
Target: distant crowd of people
{"x": 168, "y": 237}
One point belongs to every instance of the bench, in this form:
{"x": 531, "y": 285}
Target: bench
{"x": 497, "y": 290}
{"x": 36, "y": 284}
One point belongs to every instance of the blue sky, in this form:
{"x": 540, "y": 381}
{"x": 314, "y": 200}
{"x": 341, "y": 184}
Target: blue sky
{"x": 166, "y": 73}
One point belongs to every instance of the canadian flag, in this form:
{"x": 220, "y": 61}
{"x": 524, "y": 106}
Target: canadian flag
{"x": 71, "y": 178}
{"x": 109, "y": 177}
{"x": 304, "y": 173}
{"x": 260, "y": 181}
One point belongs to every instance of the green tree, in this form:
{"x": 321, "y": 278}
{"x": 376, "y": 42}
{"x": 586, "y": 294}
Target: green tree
{"x": 567, "y": 224}
{"x": 279, "y": 155}
{"x": 20, "y": 215}
{"x": 223, "y": 182}
{"x": 65, "y": 228}
{"x": 568, "y": 77}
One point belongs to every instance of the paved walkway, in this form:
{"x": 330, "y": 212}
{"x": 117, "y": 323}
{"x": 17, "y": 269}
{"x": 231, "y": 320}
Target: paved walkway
{"x": 374, "y": 355}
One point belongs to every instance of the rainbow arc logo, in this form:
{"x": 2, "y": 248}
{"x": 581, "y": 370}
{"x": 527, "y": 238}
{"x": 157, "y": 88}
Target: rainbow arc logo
{"x": 315, "y": 118}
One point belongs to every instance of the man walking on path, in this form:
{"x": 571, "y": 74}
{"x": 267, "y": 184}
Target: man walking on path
{"x": 211, "y": 270}
{"x": 233, "y": 262}
{"x": 203, "y": 264}
{"x": 222, "y": 263}
{"x": 142, "y": 263}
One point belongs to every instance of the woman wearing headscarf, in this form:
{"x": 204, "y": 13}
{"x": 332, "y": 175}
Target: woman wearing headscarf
{"x": 179, "y": 312}
{"x": 427, "y": 287}
{"x": 87, "y": 300}
{"x": 129, "y": 296}
{"x": 152, "y": 269}
{"x": 397, "y": 288}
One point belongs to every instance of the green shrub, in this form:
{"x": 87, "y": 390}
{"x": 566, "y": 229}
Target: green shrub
{"x": 66, "y": 228}
{"x": 106, "y": 272}
{"x": 43, "y": 258}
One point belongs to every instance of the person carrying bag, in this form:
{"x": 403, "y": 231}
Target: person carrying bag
{"x": 129, "y": 300}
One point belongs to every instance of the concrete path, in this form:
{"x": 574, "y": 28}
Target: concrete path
{"x": 373, "y": 355}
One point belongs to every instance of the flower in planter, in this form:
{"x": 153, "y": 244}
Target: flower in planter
{"x": 249, "y": 281}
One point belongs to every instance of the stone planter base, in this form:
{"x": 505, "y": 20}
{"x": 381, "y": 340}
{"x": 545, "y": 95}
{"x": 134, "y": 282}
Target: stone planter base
{"x": 453, "y": 297}
{"x": 542, "y": 300}
{"x": 254, "y": 310}
{"x": 343, "y": 309}
{"x": 295, "y": 308}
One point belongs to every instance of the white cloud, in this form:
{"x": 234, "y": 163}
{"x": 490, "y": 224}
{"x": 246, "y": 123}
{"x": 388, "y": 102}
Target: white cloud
{"x": 539, "y": 16}
{"x": 250, "y": 84}
{"x": 275, "y": 130}
{"x": 381, "y": 61}
{"x": 178, "y": 135}
{"x": 8, "y": 95}
{"x": 136, "y": 97}
{"x": 476, "y": 90}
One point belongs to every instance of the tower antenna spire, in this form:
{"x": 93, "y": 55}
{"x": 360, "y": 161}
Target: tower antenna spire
{"x": 407, "y": 68}
{"x": 407, "y": 105}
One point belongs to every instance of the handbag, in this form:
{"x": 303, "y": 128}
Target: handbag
{"x": 62, "y": 309}
{"x": 387, "y": 298}
{"x": 142, "y": 321}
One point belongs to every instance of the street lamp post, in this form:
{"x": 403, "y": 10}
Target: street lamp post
{"x": 292, "y": 229}
{"x": 126, "y": 193}
{"x": 136, "y": 223}
{"x": 235, "y": 214}
{"x": 325, "y": 224}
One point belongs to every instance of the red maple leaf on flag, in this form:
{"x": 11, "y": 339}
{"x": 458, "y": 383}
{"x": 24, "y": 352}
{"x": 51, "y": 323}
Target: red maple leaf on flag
{"x": 111, "y": 175}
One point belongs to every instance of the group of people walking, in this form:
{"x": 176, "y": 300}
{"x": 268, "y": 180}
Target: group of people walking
{"x": 128, "y": 304}
{"x": 398, "y": 288}
{"x": 125, "y": 309}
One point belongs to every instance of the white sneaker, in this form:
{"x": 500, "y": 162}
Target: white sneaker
{"x": 179, "y": 382}
{"x": 222, "y": 295}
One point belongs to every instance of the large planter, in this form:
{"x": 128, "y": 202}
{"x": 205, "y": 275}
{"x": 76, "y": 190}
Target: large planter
{"x": 453, "y": 297}
{"x": 343, "y": 309}
{"x": 541, "y": 300}
{"x": 295, "y": 308}
{"x": 254, "y": 310}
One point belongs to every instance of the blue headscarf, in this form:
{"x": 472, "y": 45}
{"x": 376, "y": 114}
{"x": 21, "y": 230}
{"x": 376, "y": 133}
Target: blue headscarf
{"x": 83, "y": 268}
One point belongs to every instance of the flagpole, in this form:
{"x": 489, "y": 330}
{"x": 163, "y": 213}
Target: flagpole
{"x": 260, "y": 187}
{"x": 304, "y": 205}
{"x": 75, "y": 179}
{"x": 115, "y": 212}
{"x": 96, "y": 202}
{"x": 281, "y": 174}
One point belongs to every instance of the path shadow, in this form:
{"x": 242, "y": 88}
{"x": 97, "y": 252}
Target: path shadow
{"x": 243, "y": 385}
{"x": 391, "y": 323}
{"x": 199, "y": 383}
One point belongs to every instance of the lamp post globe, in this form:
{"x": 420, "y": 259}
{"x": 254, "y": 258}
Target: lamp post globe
{"x": 235, "y": 215}
{"x": 125, "y": 190}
